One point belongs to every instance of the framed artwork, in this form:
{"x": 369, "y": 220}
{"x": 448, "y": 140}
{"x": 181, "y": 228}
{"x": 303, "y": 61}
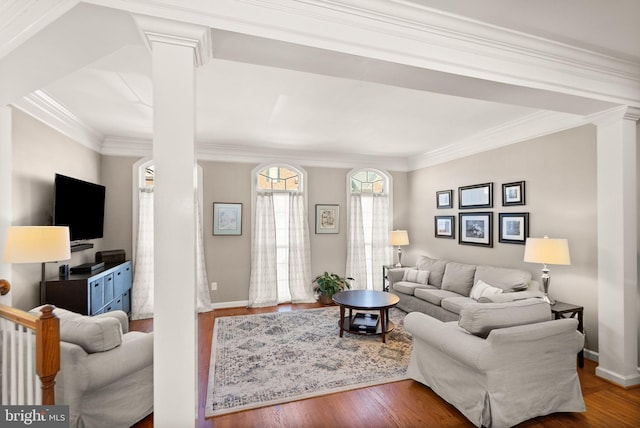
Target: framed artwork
{"x": 445, "y": 226}
{"x": 475, "y": 229}
{"x": 476, "y": 196}
{"x": 327, "y": 219}
{"x": 513, "y": 193}
{"x": 513, "y": 228}
{"x": 444, "y": 199}
{"x": 227, "y": 218}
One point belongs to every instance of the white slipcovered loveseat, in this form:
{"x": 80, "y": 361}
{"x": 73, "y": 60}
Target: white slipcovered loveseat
{"x": 441, "y": 288}
{"x": 502, "y": 363}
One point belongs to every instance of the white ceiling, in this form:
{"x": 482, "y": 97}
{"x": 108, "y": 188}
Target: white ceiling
{"x": 255, "y": 105}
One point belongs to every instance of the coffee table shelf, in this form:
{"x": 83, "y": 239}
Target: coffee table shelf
{"x": 346, "y": 326}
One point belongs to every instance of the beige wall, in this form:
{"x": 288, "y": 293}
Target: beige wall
{"x": 117, "y": 177}
{"x": 560, "y": 175}
{"x": 40, "y": 152}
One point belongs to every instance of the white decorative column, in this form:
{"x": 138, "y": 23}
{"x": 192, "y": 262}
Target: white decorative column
{"x": 617, "y": 248}
{"x": 176, "y": 50}
{"x": 6, "y": 138}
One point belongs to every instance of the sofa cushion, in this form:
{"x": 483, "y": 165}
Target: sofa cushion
{"x": 435, "y": 268}
{"x": 409, "y": 288}
{"x": 458, "y": 277}
{"x": 504, "y": 278}
{"x": 480, "y": 318}
{"x": 482, "y": 289}
{"x": 416, "y": 275}
{"x": 433, "y": 295}
{"x": 91, "y": 334}
{"x": 455, "y": 304}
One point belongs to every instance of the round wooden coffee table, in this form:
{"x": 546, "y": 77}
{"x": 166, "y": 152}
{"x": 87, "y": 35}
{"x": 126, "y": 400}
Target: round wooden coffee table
{"x": 367, "y": 300}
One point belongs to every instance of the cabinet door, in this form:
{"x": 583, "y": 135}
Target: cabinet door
{"x": 108, "y": 288}
{"x": 122, "y": 279}
{"x": 97, "y": 298}
{"x": 126, "y": 301}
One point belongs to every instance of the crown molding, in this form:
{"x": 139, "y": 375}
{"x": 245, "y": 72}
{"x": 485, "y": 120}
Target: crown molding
{"x": 43, "y": 107}
{"x": 408, "y": 33}
{"x": 21, "y": 19}
{"x": 130, "y": 147}
{"x": 526, "y": 128}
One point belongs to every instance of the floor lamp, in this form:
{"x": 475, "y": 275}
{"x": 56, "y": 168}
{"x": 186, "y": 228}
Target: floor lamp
{"x": 548, "y": 252}
{"x": 37, "y": 244}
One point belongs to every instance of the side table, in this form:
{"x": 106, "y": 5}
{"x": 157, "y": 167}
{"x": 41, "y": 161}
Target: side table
{"x": 385, "y": 277}
{"x": 567, "y": 310}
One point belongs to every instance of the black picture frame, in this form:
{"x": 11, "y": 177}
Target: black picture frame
{"x": 475, "y": 196}
{"x": 513, "y": 228}
{"x": 513, "y": 193}
{"x": 444, "y": 226}
{"x": 475, "y": 228}
{"x": 444, "y": 199}
{"x": 227, "y": 218}
{"x": 327, "y": 219}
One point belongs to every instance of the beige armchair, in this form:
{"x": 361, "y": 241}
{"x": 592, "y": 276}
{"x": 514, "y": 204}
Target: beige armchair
{"x": 106, "y": 371}
{"x": 501, "y": 364}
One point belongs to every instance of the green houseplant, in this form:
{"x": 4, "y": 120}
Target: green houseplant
{"x": 328, "y": 284}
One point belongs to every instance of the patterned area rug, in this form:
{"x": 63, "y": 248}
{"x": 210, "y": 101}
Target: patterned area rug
{"x": 266, "y": 359}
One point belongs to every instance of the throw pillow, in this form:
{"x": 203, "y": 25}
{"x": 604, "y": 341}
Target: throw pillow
{"x": 458, "y": 277}
{"x": 480, "y": 318}
{"x": 417, "y": 276}
{"x": 436, "y": 267}
{"x": 482, "y": 289}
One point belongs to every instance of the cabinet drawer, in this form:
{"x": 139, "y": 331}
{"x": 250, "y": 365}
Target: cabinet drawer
{"x": 126, "y": 301}
{"x": 97, "y": 298}
{"x": 122, "y": 279}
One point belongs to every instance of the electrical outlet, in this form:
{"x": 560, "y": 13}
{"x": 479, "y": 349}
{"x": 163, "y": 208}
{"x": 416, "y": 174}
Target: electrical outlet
{"x": 214, "y": 286}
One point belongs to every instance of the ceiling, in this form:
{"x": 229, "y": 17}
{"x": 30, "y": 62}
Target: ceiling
{"x": 268, "y": 97}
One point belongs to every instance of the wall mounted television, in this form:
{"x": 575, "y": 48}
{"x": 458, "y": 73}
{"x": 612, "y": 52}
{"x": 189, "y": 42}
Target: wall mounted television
{"x": 80, "y": 205}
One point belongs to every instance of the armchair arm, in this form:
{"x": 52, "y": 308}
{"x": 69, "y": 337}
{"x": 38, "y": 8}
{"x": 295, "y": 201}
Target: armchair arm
{"x": 120, "y": 316}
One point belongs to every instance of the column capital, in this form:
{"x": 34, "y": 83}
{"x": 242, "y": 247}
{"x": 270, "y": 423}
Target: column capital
{"x": 159, "y": 30}
{"x": 616, "y": 113}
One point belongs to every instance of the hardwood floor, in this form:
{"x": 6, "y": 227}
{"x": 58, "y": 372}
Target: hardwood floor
{"x": 400, "y": 404}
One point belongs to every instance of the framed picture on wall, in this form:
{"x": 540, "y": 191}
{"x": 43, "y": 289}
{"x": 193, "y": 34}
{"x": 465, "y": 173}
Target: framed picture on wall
{"x": 444, "y": 199}
{"x": 513, "y": 193}
{"x": 227, "y": 218}
{"x": 445, "y": 226}
{"x": 513, "y": 228}
{"x": 476, "y": 196}
{"x": 327, "y": 218}
{"x": 475, "y": 229}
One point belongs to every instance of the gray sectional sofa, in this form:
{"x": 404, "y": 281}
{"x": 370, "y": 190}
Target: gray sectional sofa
{"x": 441, "y": 288}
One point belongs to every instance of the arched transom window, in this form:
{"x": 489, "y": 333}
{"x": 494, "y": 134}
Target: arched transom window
{"x": 368, "y": 181}
{"x": 279, "y": 178}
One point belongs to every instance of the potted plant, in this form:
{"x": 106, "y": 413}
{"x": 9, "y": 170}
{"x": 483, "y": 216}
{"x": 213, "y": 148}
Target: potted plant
{"x": 328, "y": 284}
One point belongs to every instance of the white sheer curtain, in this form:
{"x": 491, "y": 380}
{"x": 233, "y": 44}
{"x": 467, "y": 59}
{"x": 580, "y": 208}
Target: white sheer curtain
{"x": 356, "y": 255}
{"x": 263, "y": 284}
{"x": 381, "y": 251}
{"x": 300, "y": 284}
{"x": 142, "y": 292}
{"x": 202, "y": 282}
{"x": 368, "y": 240}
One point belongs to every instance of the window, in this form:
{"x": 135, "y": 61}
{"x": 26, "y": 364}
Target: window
{"x": 280, "y": 262}
{"x": 369, "y": 225}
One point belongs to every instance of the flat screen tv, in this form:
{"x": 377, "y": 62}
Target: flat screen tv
{"x": 79, "y": 205}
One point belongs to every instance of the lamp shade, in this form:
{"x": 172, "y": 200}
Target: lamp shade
{"x": 37, "y": 244}
{"x": 399, "y": 237}
{"x": 547, "y": 251}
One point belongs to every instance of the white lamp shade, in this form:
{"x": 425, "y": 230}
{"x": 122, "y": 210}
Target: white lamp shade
{"x": 37, "y": 244}
{"x": 399, "y": 237}
{"x": 547, "y": 251}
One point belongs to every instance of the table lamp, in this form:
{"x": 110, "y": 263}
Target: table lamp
{"x": 37, "y": 244}
{"x": 397, "y": 239}
{"x": 548, "y": 252}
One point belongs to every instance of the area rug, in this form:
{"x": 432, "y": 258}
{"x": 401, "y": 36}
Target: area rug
{"x": 266, "y": 359}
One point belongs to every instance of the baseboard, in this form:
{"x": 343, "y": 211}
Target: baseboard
{"x": 618, "y": 379}
{"x": 225, "y": 305}
{"x": 591, "y": 355}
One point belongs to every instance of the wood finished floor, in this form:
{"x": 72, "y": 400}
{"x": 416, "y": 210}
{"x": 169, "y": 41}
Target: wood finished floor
{"x": 400, "y": 404}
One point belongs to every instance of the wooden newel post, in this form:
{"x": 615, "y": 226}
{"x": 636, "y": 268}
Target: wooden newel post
{"x": 48, "y": 352}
